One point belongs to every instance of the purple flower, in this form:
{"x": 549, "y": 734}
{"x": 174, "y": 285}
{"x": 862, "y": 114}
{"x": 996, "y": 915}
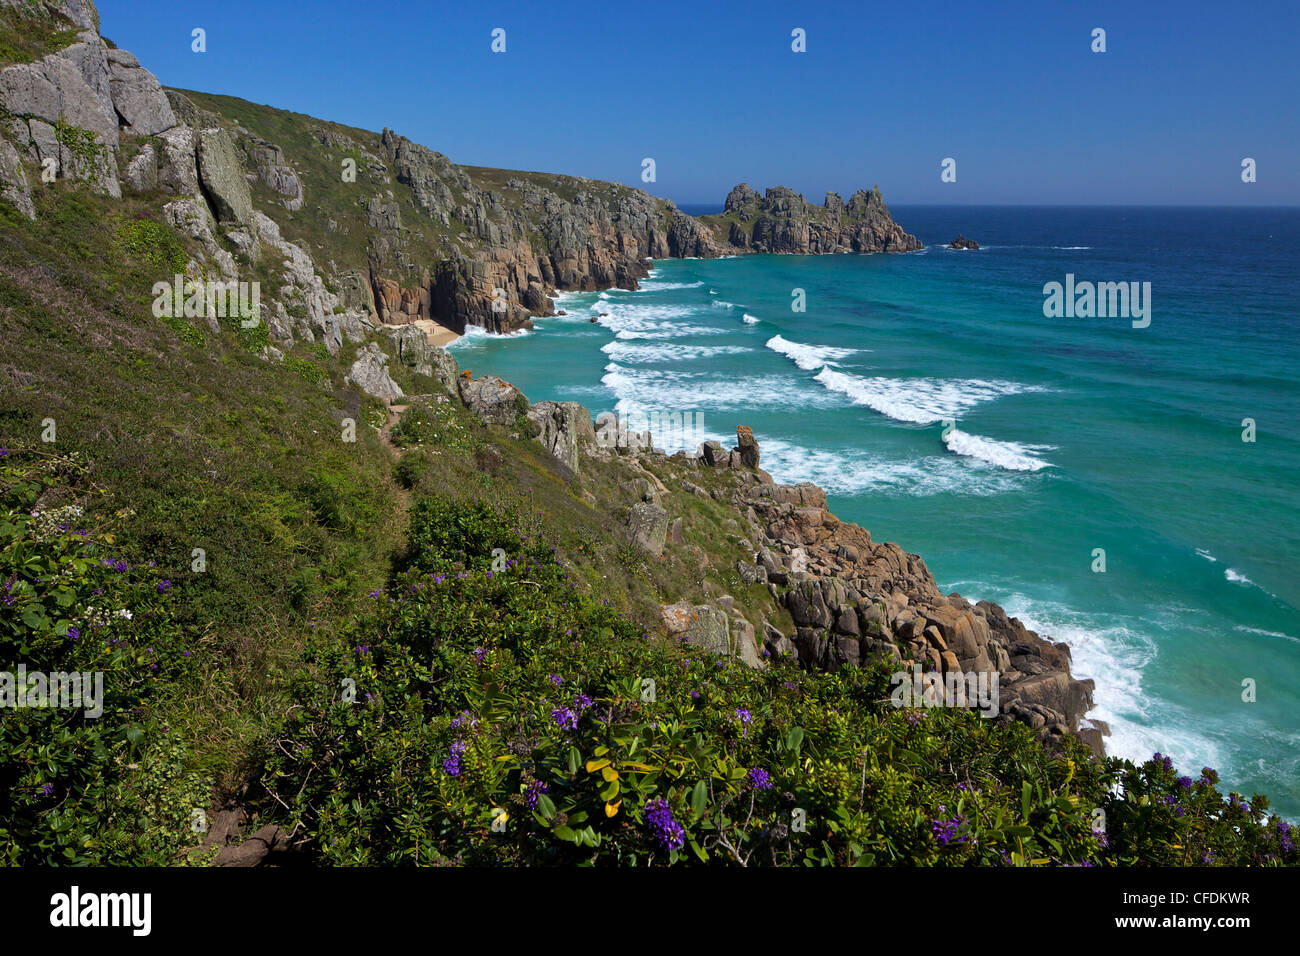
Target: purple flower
{"x": 119, "y": 566}
{"x": 1185, "y": 782}
{"x": 451, "y": 766}
{"x": 1284, "y": 833}
{"x": 74, "y": 633}
{"x": 1163, "y": 761}
{"x": 535, "y": 790}
{"x": 479, "y": 654}
{"x": 667, "y": 830}
{"x": 582, "y": 702}
{"x": 556, "y": 679}
{"x": 949, "y": 832}
{"x": 760, "y": 779}
{"x": 363, "y": 649}
{"x": 464, "y": 719}
{"x": 565, "y": 718}
{"x": 375, "y": 594}
{"x": 163, "y": 586}
{"x": 695, "y": 695}
{"x": 48, "y": 790}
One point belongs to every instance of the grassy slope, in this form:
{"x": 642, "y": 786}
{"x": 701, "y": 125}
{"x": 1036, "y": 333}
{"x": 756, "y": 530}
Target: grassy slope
{"x": 328, "y": 198}
{"x": 208, "y": 446}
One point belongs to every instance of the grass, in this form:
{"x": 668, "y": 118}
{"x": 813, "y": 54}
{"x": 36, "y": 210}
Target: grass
{"x": 25, "y": 39}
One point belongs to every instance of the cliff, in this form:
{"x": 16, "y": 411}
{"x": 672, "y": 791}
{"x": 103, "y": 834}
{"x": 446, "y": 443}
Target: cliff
{"x": 383, "y": 231}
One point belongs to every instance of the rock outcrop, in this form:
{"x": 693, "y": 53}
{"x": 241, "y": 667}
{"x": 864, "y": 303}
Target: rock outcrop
{"x": 494, "y": 401}
{"x": 370, "y": 374}
{"x": 961, "y": 242}
{"x": 852, "y": 599}
{"x": 564, "y": 429}
{"x": 782, "y": 221}
{"x": 708, "y": 628}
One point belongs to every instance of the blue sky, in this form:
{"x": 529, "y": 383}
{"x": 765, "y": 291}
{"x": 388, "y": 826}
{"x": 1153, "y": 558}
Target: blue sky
{"x": 712, "y": 91}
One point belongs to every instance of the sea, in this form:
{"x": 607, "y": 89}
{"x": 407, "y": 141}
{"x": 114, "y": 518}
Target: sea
{"x": 1126, "y": 483}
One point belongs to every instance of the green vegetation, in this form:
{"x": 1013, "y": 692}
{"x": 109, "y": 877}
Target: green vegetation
{"x": 496, "y": 715}
{"x": 26, "y": 37}
{"x": 450, "y": 657}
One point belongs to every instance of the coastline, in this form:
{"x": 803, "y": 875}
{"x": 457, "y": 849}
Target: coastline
{"x": 919, "y": 623}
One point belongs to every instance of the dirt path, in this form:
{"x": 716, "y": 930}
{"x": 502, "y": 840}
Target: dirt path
{"x": 386, "y": 433}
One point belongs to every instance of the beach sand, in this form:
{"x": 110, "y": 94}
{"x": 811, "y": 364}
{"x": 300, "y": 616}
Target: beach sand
{"x": 437, "y": 334}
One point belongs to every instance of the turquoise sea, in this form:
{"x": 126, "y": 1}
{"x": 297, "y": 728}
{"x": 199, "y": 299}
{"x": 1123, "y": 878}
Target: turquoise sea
{"x": 939, "y": 407}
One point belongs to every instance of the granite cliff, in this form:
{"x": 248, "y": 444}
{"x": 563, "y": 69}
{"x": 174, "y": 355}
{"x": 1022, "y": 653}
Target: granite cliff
{"x": 358, "y": 230}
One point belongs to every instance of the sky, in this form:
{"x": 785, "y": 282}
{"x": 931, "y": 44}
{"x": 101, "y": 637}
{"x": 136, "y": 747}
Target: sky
{"x": 715, "y": 95}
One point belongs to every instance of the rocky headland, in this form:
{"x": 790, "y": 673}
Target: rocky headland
{"x": 362, "y": 230}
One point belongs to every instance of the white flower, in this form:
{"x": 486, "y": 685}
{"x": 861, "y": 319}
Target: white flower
{"x": 124, "y": 613}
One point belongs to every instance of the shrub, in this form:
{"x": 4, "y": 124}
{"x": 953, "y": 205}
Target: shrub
{"x": 489, "y": 713}
{"x": 75, "y": 788}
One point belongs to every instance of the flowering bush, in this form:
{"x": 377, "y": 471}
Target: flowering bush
{"x": 77, "y": 788}
{"x": 506, "y": 717}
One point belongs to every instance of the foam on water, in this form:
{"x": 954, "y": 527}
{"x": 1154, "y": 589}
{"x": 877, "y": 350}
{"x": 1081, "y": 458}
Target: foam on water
{"x": 645, "y": 321}
{"x": 1263, "y": 633}
{"x": 1114, "y": 652}
{"x": 749, "y": 319}
{"x": 477, "y": 336}
{"x": 856, "y": 472}
{"x": 652, "y": 286}
{"x": 1004, "y": 454}
{"x": 639, "y": 389}
{"x": 922, "y": 401}
{"x": 808, "y": 357}
{"x": 621, "y": 350}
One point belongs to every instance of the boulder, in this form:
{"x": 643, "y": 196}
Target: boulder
{"x": 221, "y": 174}
{"x": 178, "y": 170}
{"x": 370, "y": 374}
{"x": 747, "y": 446}
{"x": 647, "y": 527}
{"x": 494, "y": 401}
{"x": 13, "y": 180}
{"x": 142, "y": 171}
{"x": 961, "y": 242}
{"x": 708, "y": 628}
{"x": 565, "y": 428}
{"x": 714, "y": 455}
{"x": 137, "y": 96}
